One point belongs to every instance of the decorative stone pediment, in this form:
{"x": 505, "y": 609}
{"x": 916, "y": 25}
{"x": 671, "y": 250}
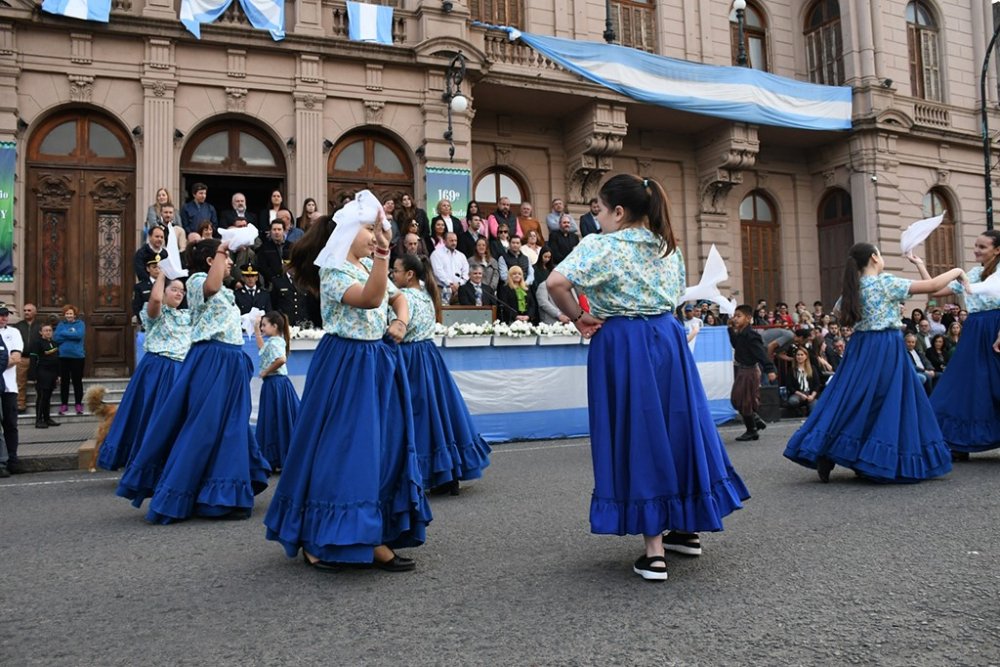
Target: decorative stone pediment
{"x": 236, "y": 100}
{"x": 592, "y": 138}
{"x": 54, "y": 191}
{"x": 81, "y": 88}
{"x": 722, "y": 157}
{"x": 373, "y": 111}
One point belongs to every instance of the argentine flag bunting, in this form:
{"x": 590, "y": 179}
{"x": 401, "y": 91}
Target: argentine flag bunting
{"x": 369, "y": 23}
{"x": 85, "y": 10}
{"x": 263, "y": 14}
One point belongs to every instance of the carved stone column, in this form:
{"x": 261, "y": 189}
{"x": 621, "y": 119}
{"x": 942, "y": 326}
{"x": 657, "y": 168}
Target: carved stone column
{"x": 592, "y": 138}
{"x": 159, "y": 166}
{"x": 309, "y": 160}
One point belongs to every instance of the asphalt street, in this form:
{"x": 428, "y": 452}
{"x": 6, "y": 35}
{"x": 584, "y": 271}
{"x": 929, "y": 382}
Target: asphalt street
{"x": 849, "y": 573}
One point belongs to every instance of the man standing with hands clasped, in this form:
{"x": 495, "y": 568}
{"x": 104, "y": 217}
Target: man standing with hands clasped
{"x": 749, "y": 357}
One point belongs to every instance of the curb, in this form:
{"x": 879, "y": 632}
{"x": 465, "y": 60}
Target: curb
{"x": 49, "y": 463}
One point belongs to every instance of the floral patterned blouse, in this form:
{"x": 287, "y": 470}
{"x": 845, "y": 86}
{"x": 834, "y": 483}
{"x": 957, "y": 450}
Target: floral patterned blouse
{"x": 346, "y": 321}
{"x": 422, "y": 319}
{"x": 169, "y": 334}
{"x": 975, "y": 303}
{"x": 622, "y": 273}
{"x": 216, "y": 319}
{"x": 274, "y": 348}
{"x": 880, "y": 299}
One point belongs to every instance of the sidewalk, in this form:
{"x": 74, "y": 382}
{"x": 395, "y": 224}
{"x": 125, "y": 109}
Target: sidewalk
{"x": 54, "y": 448}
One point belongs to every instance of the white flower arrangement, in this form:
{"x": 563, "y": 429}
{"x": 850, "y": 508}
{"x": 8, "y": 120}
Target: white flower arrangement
{"x": 305, "y": 333}
{"x": 516, "y": 329}
{"x": 556, "y": 329}
{"x": 466, "y": 329}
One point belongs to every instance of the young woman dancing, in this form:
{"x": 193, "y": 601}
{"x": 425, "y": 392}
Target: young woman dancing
{"x": 874, "y": 416}
{"x": 659, "y": 463}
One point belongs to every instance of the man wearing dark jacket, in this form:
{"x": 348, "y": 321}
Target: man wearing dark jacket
{"x": 251, "y": 295}
{"x": 475, "y": 292}
{"x": 273, "y": 252}
{"x": 287, "y": 298}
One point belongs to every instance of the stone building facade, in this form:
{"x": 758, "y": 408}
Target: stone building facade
{"x": 104, "y": 115}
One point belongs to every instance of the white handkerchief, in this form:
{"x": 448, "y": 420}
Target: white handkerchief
{"x": 989, "y": 287}
{"x": 364, "y": 209}
{"x": 918, "y": 232}
{"x": 171, "y": 264}
{"x": 708, "y": 288}
{"x": 249, "y": 319}
{"x": 239, "y": 237}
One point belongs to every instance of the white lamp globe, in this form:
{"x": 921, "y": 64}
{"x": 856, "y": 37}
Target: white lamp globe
{"x": 459, "y": 103}
{"x": 739, "y": 4}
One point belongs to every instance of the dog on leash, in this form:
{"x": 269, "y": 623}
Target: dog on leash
{"x": 94, "y": 400}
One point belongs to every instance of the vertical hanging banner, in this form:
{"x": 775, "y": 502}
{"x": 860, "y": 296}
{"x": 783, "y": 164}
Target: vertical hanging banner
{"x": 450, "y": 184}
{"x": 8, "y": 159}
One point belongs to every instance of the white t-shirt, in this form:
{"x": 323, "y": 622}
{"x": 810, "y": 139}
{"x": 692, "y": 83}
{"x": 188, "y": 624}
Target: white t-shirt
{"x": 693, "y": 324}
{"x": 12, "y": 339}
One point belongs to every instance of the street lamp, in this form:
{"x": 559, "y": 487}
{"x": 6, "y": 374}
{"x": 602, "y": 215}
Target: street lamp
{"x": 609, "y": 28}
{"x": 987, "y": 153}
{"x": 741, "y": 50}
{"x": 457, "y": 102}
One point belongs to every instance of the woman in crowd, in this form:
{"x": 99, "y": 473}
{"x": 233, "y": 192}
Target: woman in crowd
{"x": 166, "y": 343}
{"x": 351, "y": 491}
{"x": 954, "y": 333}
{"x": 911, "y": 324}
{"x": 501, "y": 242}
{"x": 761, "y": 318}
{"x": 803, "y": 382}
{"x": 875, "y": 417}
{"x": 205, "y": 230}
{"x": 438, "y": 233}
{"x": 278, "y": 407}
{"x": 448, "y": 447}
{"x": 69, "y": 336}
{"x": 937, "y": 354}
{"x": 309, "y": 209}
{"x": 965, "y": 398}
{"x": 544, "y": 265}
{"x": 531, "y": 248}
{"x": 491, "y": 269}
{"x": 199, "y": 456}
{"x": 659, "y": 463}
{"x": 409, "y": 211}
{"x": 451, "y": 224}
{"x": 267, "y": 216}
{"x": 710, "y": 320}
{"x": 517, "y": 296}
{"x": 154, "y": 215}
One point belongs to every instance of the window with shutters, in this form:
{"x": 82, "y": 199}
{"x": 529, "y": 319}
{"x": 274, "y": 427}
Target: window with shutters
{"x": 759, "y": 232}
{"x": 754, "y": 37}
{"x": 939, "y": 248}
{"x": 824, "y": 45}
{"x": 634, "y": 22}
{"x": 498, "y": 12}
{"x": 925, "y": 60}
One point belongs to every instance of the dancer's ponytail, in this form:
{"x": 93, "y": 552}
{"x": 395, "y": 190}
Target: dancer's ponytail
{"x": 421, "y": 267}
{"x": 850, "y": 296}
{"x": 642, "y": 198}
{"x": 278, "y": 319}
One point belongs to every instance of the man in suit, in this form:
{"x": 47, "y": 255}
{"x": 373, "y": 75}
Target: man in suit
{"x": 287, "y": 298}
{"x": 835, "y": 352}
{"x": 273, "y": 251}
{"x": 475, "y": 292}
{"x": 467, "y": 239}
{"x": 251, "y": 295}
{"x": 921, "y": 365}
{"x": 588, "y": 221}
{"x": 239, "y": 210}
{"x": 924, "y": 336}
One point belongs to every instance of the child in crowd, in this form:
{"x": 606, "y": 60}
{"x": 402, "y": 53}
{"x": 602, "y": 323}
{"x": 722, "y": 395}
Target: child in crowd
{"x": 45, "y": 369}
{"x": 350, "y": 491}
{"x": 200, "y": 436}
{"x": 874, "y": 416}
{"x": 166, "y": 343}
{"x": 749, "y": 357}
{"x": 448, "y": 447}
{"x": 278, "y": 407}
{"x": 659, "y": 463}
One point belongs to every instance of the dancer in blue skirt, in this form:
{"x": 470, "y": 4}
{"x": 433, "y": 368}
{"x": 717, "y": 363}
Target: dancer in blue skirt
{"x": 350, "y": 492}
{"x": 659, "y": 463}
{"x": 167, "y": 340}
{"x": 966, "y": 399}
{"x": 448, "y": 447}
{"x": 874, "y": 416}
{"x": 278, "y": 407}
{"x": 199, "y": 456}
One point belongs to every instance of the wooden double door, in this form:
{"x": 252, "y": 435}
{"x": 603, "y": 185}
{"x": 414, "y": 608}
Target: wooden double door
{"x": 80, "y": 236}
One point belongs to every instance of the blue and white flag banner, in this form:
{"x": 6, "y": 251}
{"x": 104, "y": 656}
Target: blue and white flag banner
{"x": 85, "y": 10}
{"x": 369, "y": 23}
{"x": 263, "y": 14}
{"x": 735, "y": 93}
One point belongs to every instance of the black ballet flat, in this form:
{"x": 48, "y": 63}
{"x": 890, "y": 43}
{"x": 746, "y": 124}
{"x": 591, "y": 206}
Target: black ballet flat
{"x": 397, "y": 564}
{"x": 959, "y": 456}
{"x": 451, "y": 488}
{"x": 824, "y": 467}
{"x": 322, "y": 565}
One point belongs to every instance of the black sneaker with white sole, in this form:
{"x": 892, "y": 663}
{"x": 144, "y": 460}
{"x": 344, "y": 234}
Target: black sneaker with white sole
{"x": 687, "y": 544}
{"x": 651, "y": 568}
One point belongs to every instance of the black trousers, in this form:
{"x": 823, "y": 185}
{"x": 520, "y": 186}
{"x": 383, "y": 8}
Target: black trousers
{"x": 8, "y": 409}
{"x": 43, "y": 405}
{"x": 71, "y": 369}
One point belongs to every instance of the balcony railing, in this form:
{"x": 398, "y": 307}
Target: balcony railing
{"x": 931, "y": 114}
{"x": 500, "y": 50}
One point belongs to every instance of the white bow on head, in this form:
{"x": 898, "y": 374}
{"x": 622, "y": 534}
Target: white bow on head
{"x": 364, "y": 209}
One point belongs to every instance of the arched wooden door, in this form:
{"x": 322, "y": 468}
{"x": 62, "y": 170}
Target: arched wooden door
{"x": 80, "y": 234}
{"x": 368, "y": 160}
{"x": 836, "y": 236}
{"x": 759, "y": 233}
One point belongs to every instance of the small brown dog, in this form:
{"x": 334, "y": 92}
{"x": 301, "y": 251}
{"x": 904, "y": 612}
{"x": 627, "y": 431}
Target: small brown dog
{"x": 94, "y": 400}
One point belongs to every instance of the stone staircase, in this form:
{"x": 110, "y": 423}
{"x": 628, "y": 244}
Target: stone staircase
{"x": 115, "y": 389}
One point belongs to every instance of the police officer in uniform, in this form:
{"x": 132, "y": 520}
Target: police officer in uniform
{"x": 287, "y": 298}
{"x": 251, "y": 295}
{"x": 142, "y": 289}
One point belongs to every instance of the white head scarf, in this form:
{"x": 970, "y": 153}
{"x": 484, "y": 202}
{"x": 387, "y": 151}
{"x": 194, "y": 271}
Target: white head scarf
{"x": 364, "y": 209}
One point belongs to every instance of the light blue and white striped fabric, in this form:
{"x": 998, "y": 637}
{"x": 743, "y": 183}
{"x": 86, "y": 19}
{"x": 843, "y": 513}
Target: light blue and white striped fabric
{"x": 735, "y": 93}
{"x": 369, "y": 23}
{"x": 85, "y": 10}
{"x": 263, "y": 14}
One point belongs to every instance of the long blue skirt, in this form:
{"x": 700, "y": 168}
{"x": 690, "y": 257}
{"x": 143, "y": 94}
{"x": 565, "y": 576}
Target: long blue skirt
{"x": 199, "y": 456}
{"x": 874, "y": 416}
{"x": 276, "y": 414}
{"x": 966, "y": 399}
{"x": 147, "y": 391}
{"x": 351, "y": 480}
{"x": 659, "y": 463}
{"x": 448, "y": 446}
